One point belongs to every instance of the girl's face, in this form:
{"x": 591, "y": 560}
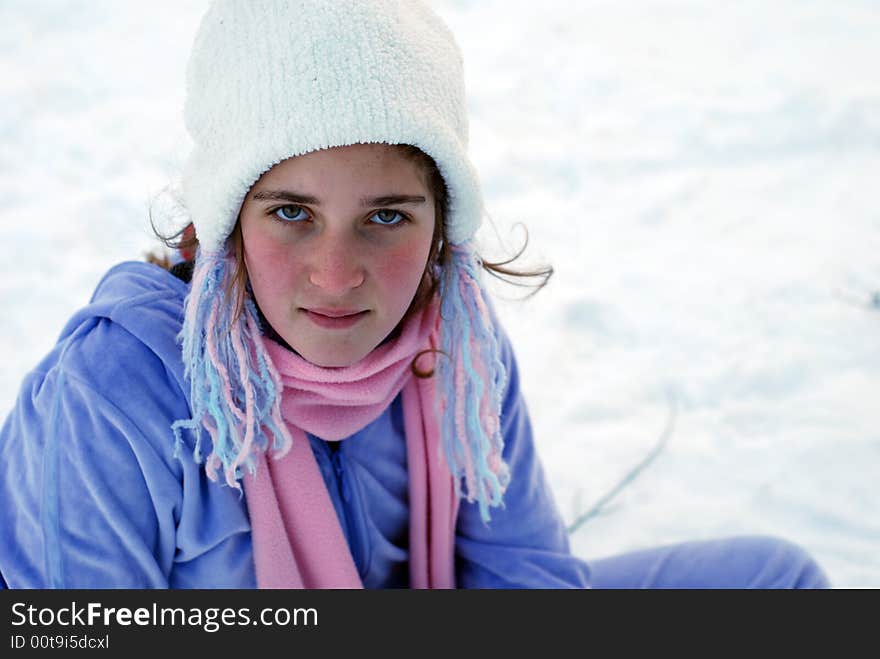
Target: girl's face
{"x": 338, "y": 232}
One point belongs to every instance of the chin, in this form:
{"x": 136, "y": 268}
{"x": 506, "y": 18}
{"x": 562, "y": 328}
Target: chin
{"x": 331, "y": 363}
{"x": 331, "y": 360}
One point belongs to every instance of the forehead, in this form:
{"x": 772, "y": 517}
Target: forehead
{"x": 361, "y": 165}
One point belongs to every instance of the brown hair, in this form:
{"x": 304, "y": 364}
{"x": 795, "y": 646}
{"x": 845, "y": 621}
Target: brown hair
{"x": 440, "y": 254}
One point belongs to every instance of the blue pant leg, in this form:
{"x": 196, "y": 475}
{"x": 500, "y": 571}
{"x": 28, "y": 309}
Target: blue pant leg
{"x": 737, "y": 562}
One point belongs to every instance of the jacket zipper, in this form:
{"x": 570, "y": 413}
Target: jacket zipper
{"x": 354, "y": 517}
{"x": 336, "y": 461}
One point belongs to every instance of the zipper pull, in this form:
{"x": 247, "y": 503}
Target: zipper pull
{"x": 336, "y": 458}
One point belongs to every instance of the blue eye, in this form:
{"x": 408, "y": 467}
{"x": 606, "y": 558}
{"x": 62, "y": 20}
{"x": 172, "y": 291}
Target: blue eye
{"x": 289, "y": 213}
{"x": 393, "y": 214}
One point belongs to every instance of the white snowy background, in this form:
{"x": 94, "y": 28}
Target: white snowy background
{"x": 702, "y": 176}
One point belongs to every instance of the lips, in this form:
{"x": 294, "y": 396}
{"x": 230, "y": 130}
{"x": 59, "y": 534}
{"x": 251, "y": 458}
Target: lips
{"x": 335, "y": 313}
{"x": 346, "y": 317}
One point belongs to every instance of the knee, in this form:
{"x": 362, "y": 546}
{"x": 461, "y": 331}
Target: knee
{"x": 786, "y": 564}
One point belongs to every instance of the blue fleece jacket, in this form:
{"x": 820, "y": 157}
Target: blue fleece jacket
{"x": 91, "y": 495}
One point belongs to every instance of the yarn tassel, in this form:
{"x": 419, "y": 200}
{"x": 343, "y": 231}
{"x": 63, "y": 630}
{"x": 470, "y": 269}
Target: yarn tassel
{"x": 474, "y": 381}
{"x": 235, "y": 391}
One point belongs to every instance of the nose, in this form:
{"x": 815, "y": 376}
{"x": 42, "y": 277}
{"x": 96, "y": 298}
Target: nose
{"x": 336, "y": 265}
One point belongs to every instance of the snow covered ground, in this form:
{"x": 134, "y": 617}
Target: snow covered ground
{"x": 701, "y": 175}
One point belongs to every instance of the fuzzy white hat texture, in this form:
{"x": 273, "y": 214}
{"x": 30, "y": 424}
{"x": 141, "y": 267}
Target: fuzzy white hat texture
{"x": 272, "y": 79}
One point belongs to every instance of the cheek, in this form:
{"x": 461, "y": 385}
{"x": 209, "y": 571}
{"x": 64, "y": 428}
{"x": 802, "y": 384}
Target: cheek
{"x": 401, "y": 270}
{"x": 269, "y": 263}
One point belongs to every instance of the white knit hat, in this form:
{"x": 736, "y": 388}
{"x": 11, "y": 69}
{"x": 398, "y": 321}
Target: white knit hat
{"x": 272, "y": 79}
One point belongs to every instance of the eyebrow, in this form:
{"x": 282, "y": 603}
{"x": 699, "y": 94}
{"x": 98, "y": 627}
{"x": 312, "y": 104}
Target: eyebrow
{"x": 297, "y": 198}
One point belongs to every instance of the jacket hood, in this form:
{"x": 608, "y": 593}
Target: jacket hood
{"x": 146, "y": 301}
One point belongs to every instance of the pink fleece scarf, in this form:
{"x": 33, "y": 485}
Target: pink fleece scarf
{"x": 297, "y": 539}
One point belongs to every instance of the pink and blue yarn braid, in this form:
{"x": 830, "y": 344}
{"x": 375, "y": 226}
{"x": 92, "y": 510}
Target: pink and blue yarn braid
{"x": 474, "y": 382}
{"x": 235, "y": 391}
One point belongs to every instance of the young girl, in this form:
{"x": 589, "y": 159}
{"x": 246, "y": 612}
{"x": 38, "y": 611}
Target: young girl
{"x": 319, "y": 394}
